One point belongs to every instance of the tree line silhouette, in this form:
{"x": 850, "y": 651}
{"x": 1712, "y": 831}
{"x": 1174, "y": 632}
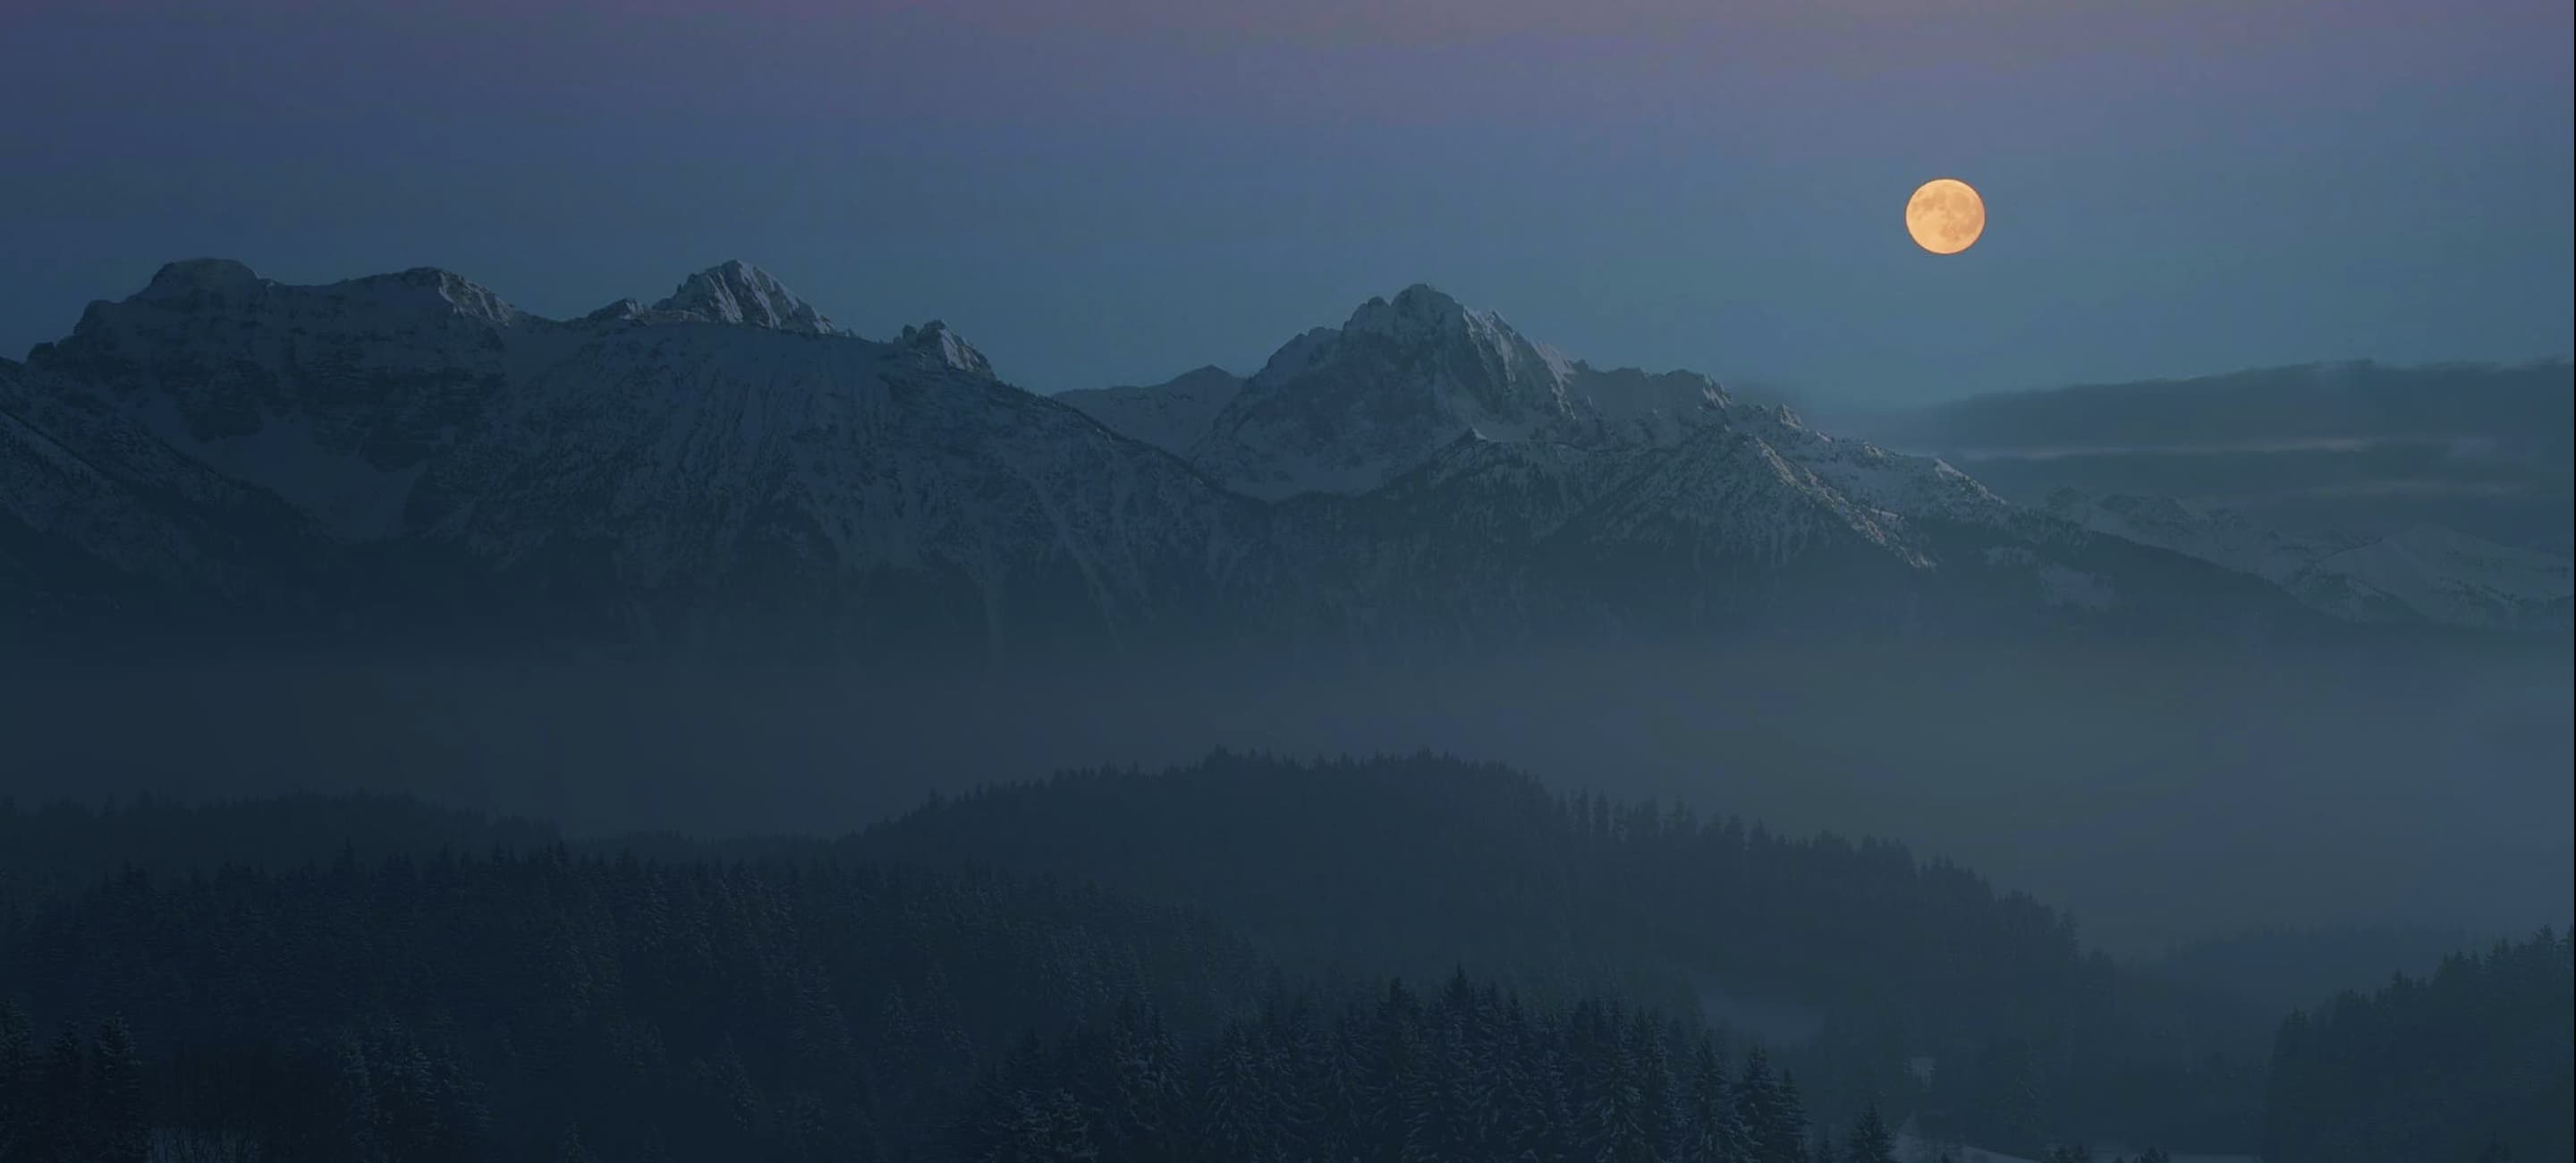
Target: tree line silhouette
{"x": 1217, "y": 962}
{"x": 2474, "y": 1064}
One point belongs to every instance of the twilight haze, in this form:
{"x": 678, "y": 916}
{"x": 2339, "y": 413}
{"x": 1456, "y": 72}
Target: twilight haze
{"x": 1114, "y": 191}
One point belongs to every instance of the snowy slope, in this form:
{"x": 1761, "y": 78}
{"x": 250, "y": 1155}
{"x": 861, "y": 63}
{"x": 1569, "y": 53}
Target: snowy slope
{"x": 2436, "y": 575}
{"x": 684, "y": 461}
{"x": 1882, "y": 481}
{"x": 2451, "y": 578}
{"x": 331, "y": 398}
{"x": 1727, "y": 486}
{"x": 2224, "y": 536}
{"x": 88, "y": 493}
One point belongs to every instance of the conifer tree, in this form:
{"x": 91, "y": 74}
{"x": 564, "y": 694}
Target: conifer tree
{"x": 1871, "y": 1141}
{"x": 17, "y": 1082}
{"x": 116, "y": 1114}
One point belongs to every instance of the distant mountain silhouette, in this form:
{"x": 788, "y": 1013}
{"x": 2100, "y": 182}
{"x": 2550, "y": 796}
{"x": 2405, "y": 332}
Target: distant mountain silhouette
{"x": 2525, "y": 409}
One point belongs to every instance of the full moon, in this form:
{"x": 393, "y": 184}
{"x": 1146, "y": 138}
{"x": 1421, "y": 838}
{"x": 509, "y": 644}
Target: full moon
{"x": 1945, "y": 216}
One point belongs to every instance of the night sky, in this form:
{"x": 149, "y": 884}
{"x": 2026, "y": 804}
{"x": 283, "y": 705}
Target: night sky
{"x": 1114, "y": 191}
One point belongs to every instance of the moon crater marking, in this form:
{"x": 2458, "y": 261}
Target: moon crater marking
{"x": 1945, "y": 216}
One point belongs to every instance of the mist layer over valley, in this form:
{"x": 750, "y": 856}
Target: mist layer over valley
{"x": 2159, "y": 794}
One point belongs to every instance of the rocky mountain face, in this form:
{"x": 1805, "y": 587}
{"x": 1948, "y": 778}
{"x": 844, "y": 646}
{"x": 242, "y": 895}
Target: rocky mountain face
{"x": 736, "y": 292}
{"x": 408, "y": 458}
{"x": 407, "y": 451}
{"x": 1342, "y": 410}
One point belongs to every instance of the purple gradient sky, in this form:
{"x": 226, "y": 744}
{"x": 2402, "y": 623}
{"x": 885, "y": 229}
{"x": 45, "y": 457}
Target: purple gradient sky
{"x": 1118, "y": 190}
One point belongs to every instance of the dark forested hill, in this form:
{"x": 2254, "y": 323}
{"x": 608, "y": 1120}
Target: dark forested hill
{"x": 1183, "y": 966}
{"x": 1420, "y": 862}
{"x": 471, "y": 1008}
{"x": 2279, "y": 968}
{"x": 1878, "y": 966}
{"x": 57, "y": 848}
{"x": 551, "y": 1006}
{"x": 2476, "y": 1063}
{"x": 1468, "y": 1073}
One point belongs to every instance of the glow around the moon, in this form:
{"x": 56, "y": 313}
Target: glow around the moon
{"x": 1945, "y": 216}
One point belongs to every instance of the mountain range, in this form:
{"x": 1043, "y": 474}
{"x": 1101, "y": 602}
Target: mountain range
{"x": 223, "y": 459}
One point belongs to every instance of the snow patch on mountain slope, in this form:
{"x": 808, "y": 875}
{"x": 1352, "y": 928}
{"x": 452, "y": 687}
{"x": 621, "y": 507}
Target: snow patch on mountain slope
{"x": 1631, "y": 406}
{"x": 120, "y": 498}
{"x": 707, "y": 459}
{"x": 2438, "y": 575}
{"x": 2453, "y": 578}
{"x": 1728, "y": 492}
{"x": 1477, "y": 499}
{"x": 2059, "y": 585}
{"x": 2224, "y": 536}
{"x": 51, "y": 491}
{"x": 1892, "y": 483}
{"x": 329, "y": 397}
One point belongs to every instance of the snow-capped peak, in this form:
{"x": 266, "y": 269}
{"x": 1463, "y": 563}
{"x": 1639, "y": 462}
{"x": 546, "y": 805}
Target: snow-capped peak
{"x": 738, "y": 292}
{"x": 942, "y": 346}
{"x": 1344, "y": 409}
{"x": 1420, "y": 314}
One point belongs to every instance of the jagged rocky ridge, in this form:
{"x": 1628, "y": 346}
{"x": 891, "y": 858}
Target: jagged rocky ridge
{"x": 407, "y": 457}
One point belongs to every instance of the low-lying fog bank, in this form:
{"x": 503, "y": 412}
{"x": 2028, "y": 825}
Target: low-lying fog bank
{"x": 2160, "y": 795}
